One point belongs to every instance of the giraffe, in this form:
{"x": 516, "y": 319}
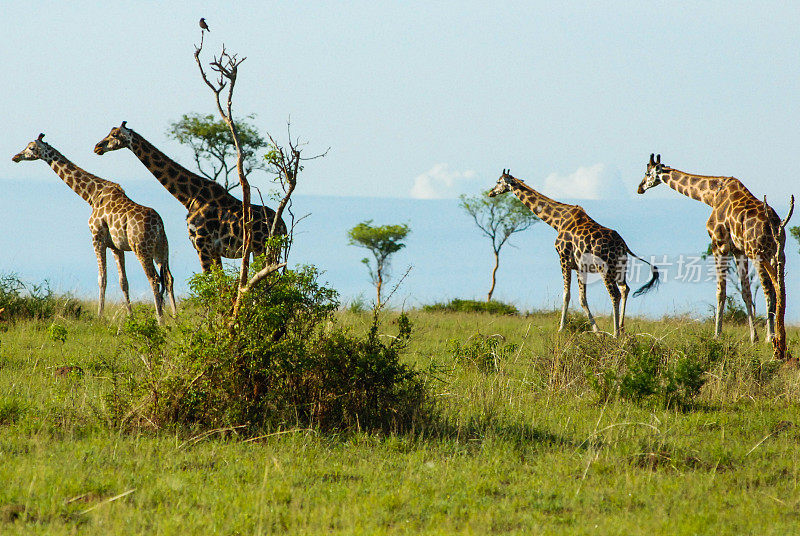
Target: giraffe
{"x": 583, "y": 245}
{"x": 116, "y": 223}
{"x": 740, "y": 226}
{"x": 214, "y": 216}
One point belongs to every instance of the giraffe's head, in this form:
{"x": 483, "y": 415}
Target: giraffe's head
{"x": 654, "y": 175}
{"x": 504, "y": 184}
{"x": 33, "y": 151}
{"x": 119, "y": 138}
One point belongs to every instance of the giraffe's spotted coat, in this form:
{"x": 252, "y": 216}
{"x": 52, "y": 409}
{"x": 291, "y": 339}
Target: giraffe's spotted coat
{"x": 116, "y": 223}
{"x": 582, "y": 245}
{"x": 214, "y": 218}
{"x": 740, "y": 226}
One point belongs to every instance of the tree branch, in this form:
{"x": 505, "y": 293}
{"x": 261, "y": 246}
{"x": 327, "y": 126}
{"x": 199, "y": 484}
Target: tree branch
{"x": 227, "y": 65}
{"x": 264, "y": 272}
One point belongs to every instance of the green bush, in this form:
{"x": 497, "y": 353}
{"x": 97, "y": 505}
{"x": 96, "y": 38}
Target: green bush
{"x": 485, "y": 353}
{"x": 647, "y": 372}
{"x": 357, "y": 305}
{"x": 283, "y": 362}
{"x": 11, "y": 410}
{"x": 734, "y": 313}
{"x": 57, "y": 333}
{"x": 577, "y": 323}
{"x": 473, "y": 306}
{"x": 25, "y": 301}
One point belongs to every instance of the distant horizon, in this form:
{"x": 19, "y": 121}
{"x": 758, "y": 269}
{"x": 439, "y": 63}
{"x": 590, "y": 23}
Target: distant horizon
{"x": 450, "y": 258}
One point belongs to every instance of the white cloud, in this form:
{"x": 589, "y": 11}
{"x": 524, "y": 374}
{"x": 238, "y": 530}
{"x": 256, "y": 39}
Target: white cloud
{"x": 439, "y": 182}
{"x": 592, "y": 182}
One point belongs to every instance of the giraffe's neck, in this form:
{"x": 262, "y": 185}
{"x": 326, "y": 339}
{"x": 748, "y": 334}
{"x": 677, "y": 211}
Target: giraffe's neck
{"x": 190, "y": 189}
{"x": 699, "y": 187}
{"x": 86, "y": 185}
{"x": 549, "y": 211}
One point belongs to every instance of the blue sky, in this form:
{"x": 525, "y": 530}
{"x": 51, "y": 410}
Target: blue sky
{"x": 415, "y": 100}
{"x": 426, "y": 99}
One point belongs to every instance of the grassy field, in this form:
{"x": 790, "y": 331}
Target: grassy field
{"x": 523, "y": 444}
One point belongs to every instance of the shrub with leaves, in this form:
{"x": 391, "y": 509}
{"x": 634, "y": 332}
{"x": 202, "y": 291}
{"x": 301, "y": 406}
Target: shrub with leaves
{"x": 485, "y": 353}
{"x": 283, "y": 362}
{"x": 57, "y": 333}
{"x": 20, "y": 300}
{"x": 577, "y": 323}
{"x": 493, "y": 307}
{"x": 647, "y": 372}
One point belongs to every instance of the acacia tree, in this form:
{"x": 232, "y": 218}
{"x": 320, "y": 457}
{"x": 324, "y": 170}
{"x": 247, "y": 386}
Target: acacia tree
{"x": 497, "y": 218}
{"x": 795, "y": 231}
{"x": 213, "y": 147}
{"x": 382, "y": 241}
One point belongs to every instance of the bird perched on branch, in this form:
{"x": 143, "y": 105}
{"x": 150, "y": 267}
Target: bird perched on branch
{"x": 203, "y": 24}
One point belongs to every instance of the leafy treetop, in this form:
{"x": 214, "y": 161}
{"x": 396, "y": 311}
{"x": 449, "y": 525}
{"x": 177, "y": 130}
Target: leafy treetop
{"x": 212, "y": 144}
{"x": 498, "y": 217}
{"x": 382, "y": 241}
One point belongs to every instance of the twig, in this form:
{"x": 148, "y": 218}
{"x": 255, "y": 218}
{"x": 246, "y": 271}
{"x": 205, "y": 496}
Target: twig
{"x": 282, "y": 432}
{"x": 610, "y": 426}
{"x": 112, "y": 499}
{"x": 76, "y": 498}
{"x": 264, "y": 272}
{"x": 777, "y": 500}
{"x": 759, "y": 444}
{"x": 199, "y": 437}
{"x": 394, "y": 289}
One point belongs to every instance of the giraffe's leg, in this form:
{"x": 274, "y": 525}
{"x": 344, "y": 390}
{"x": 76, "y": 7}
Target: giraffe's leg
{"x": 567, "y": 273}
{"x": 743, "y": 269}
{"x": 721, "y": 261}
{"x": 624, "y": 289}
{"x": 100, "y": 251}
{"x": 205, "y": 250}
{"x": 152, "y": 277}
{"x": 769, "y": 296}
{"x": 613, "y": 290}
{"x": 585, "y": 302}
{"x": 208, "y": 261}
{"x": 123, "y": 278}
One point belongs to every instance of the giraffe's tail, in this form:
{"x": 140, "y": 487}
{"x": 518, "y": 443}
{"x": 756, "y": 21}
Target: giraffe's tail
{"x": 166, "y": 283}
{"x": 654, "y": 281}
{"x": 162, "y": 278}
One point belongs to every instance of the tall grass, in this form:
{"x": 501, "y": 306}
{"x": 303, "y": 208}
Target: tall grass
{"x": 526, "y": 445}
{"x": 23, "y": 300}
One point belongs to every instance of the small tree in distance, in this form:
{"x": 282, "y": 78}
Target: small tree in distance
{"x": 382, "y": 241}
{"x": 214, "y": 150}
{"x": 498, "y": 218}
{"x": 795, "y": 231}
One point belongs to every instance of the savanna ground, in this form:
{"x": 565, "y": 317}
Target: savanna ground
{"x": 524, "y": 442}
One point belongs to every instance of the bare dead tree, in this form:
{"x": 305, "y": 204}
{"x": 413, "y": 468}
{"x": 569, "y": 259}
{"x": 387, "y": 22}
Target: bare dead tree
{"x": 226, "y": 65}
{"x": 286, "y": 163}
